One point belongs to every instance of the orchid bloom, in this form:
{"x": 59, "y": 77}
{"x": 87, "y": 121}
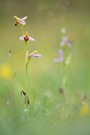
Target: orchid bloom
{"x": 34, "y": 55}
{"x": 26, "y": 38}
{"x": 60, "y": 58}
{"x": 20, "y": 20}
{"x": 65, "y": 41}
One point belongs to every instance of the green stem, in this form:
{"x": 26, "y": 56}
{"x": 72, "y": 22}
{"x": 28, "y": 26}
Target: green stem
{"x": 22, "y": 29}
{"x": 26, "y": 83}
{"x": 65, "y": 77}
{"x": 26, "y": 73}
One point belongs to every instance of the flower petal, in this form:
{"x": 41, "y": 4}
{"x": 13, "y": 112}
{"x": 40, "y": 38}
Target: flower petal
{"x": 68, "y": 43}
{"x": 60, "y": 52}
{"x": 24, "y": 18}
{"x": 21, "y": 38}
{"x": 63, "y": 41}
{"x": 60, "y": 59}
{"x": 21, "y": 21}
{"x": 31, "y": 39}
{"x": 37, "y": 55}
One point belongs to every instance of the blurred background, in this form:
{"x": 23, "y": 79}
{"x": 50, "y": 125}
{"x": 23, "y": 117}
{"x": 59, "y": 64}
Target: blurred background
{"x": 45, "y": 22}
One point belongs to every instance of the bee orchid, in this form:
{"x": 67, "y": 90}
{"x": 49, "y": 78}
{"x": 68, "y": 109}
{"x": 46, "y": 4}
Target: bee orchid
{"x": 26, "y": 38}
{"x": 20, "y": 20}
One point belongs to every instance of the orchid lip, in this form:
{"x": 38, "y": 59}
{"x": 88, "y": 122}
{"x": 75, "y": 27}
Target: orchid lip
{"x": 26, "y": 38}
{"x": 37, "y": 55}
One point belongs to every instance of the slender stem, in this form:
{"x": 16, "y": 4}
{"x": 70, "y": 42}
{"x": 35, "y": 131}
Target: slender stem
{"x": 22, "y": 29}
{"x": 26, "y": 83}
{"x": 26, "y": 68}
{"x": 26, "y": 73}
{"x": 26, "y": 78}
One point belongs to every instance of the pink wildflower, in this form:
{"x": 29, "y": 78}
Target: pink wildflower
{"x": 20, "y": 20}
{"x": 26, "y": 38}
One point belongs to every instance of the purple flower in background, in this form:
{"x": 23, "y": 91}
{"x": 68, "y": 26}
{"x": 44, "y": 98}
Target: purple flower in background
{"x": 60, "y": 58}
{"x": 20, "y": 20}
{"x": 26, "y": 38}
{"x": 65, "y": 41}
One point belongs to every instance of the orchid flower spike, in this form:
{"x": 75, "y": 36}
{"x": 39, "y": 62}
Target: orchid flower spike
{"x": 26, "y": 38}
{"x": 20, "y": 20}
{"x": 60, "y": 58}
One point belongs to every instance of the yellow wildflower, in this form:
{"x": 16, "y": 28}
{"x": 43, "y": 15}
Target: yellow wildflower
{"x": 5, "y": 71}
{"x": 84, "y": 109}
